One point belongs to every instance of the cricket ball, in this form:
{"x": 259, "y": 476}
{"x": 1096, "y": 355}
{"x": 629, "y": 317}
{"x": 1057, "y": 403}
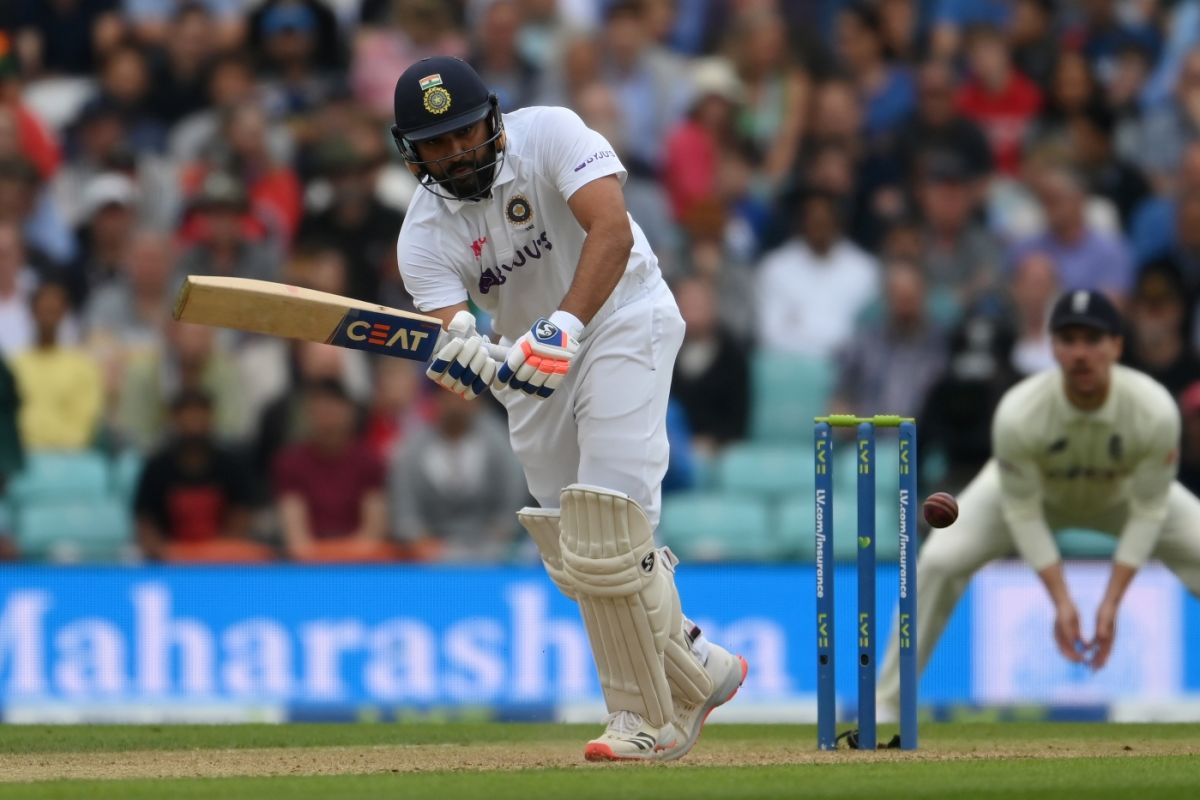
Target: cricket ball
{"x": 940, "y": 509}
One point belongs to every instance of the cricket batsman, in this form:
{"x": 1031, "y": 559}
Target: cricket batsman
{"x": 523, "y": 213}
{"x": 1089, "y": 444}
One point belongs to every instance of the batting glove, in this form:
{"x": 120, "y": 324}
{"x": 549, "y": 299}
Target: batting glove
{"x": 463, "y": 365}
{"x": 539, "y": 361}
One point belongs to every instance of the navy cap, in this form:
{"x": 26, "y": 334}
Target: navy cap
{"x": 437, "y": 95}
{"x": 1088, "y": 309}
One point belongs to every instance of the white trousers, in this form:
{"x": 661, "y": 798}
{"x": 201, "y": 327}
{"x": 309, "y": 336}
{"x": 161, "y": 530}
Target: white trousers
{"x": 606, "y": 424}
{"x": 952, "y": 555}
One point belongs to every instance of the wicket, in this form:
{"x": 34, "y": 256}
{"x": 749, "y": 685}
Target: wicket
{"x": 826, "y": 680}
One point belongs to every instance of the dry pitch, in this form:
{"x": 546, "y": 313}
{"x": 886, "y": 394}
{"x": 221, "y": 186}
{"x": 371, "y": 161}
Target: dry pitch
{"x": 446, "y": 761}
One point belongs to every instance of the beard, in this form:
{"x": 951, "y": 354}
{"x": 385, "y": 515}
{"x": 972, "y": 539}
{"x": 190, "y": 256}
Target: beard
{"x": 469, "y": 179}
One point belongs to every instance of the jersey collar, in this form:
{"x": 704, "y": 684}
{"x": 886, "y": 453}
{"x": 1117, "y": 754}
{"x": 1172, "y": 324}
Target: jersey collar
{"x": 1106, "y": 413}
{"x": 507, "y": 174}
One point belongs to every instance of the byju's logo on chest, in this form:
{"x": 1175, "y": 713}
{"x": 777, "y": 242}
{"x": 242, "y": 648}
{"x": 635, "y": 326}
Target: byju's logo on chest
{"x": 531, "y": 251}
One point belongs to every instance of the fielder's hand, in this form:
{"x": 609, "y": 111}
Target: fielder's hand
{"x": 463, "y": 365}
{"x": 1067, "y": 635}
{"x": 538, "y": 361}
{"x": 1106, "y": 634}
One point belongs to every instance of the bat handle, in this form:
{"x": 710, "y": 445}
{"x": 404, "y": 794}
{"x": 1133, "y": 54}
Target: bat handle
{"x": 497, "y": 351}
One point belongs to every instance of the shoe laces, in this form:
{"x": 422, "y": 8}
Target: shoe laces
{"x": 624, "y": 722}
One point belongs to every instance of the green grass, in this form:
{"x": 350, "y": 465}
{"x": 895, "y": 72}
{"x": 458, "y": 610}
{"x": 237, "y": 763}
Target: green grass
{"x": 118, "y": 738}
{"x": 1126, "y": 764}
{"x": 1145, "y": 779}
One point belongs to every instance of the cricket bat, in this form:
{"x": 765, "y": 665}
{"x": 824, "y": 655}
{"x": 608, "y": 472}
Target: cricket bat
{"x": 293, "y": 312}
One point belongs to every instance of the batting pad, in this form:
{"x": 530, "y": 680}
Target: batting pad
{"x": 542, "y": 524}
{"x": 687, "y": 677}
{"x": 626, "y": 594}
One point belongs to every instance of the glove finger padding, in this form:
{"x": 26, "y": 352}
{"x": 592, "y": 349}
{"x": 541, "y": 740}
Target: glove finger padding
{"x": 478, "y": 374}
{"x": 514, "y": 371}
{"x": 531, "y": 379}
{"x": 462, "y": 325}
{"x": 464, "y": 367}
{"x": 442, "y": 360}
{"x": 462, "y": 362}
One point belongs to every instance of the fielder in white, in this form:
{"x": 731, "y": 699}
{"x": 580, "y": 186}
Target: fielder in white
{"x": 1091, "y": 444}
{"x": 524, "y": 215}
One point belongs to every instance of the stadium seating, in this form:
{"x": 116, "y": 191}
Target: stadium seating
{"x": 786, "y": 393}
{"x": 794, "y": 521}
{"x": 73, "y": 506}
{"x": 704, "y": 471}
{"x": 88, "y": 530}
{"x": 51, "y": 476}
{"x": 773, "y": 471}
{"x": 125, "y": 473}
{"x": 717, "y": 526}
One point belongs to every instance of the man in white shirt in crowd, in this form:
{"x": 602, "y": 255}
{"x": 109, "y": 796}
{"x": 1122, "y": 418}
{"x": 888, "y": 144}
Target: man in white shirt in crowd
{"x": 812, "y": 290}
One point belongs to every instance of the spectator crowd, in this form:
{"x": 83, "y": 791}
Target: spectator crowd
{"x": 895, "y": 190}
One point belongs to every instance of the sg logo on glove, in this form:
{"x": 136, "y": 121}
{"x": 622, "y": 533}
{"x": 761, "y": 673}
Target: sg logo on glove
{"x": 538, "y": 361}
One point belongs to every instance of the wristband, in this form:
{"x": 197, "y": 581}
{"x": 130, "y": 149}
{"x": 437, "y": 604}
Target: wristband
{"x": 567, "y": 322}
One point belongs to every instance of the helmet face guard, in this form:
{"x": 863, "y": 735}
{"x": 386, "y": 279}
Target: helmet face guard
{"x": 484, "y": 173}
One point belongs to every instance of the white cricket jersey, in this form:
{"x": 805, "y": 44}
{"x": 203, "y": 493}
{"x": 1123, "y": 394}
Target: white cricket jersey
{"x": 515, "y": 253}
{"x": 1054, "y": 457}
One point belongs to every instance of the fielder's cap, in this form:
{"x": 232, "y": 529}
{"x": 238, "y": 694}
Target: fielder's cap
{"x": 1088, "y": 309}
{"x": 437, "y": 95}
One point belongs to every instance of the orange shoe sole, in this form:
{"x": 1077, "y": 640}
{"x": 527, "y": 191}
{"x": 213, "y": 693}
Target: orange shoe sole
{"x": 599, "y": 751}
{"x": 745, "y": 670}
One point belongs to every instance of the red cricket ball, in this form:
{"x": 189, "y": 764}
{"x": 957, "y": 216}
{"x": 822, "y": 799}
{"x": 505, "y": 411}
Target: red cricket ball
{"x": 940, "y": 509}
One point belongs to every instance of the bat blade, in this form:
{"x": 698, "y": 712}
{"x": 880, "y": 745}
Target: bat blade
{"x": 293, "y": 312}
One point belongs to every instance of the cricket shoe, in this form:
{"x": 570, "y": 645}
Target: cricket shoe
{"x": 628, "y": 737}
{"x": 727, "y": 672}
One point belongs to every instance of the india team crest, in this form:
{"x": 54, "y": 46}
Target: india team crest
{"x": 518, "y": 211}
{"x": 437, "y": 100}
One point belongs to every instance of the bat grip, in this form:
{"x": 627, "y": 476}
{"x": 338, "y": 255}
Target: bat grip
{"x": 497, "y": 351}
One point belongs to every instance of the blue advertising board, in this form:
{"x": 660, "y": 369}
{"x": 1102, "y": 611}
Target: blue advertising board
{"x": 286, "y": 642}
